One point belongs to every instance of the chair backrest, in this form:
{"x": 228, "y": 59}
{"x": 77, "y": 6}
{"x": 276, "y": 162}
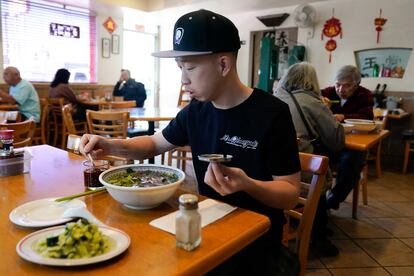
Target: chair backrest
{"x": 183, "y": 97}
{"x": 23, "y": 132}
{"x": 317, "y": 166}
{"x": 117, "y": 105}
{"x": 67, "y": 119}
{"x": 110, "y": 124}
{"x": 55, "y": 108}
{"x": 381, "y": 115}
{"x": 39, "y": 136}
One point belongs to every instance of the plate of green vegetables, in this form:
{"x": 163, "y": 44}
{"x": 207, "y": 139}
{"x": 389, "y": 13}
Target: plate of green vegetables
{"x": 76, "y": 243}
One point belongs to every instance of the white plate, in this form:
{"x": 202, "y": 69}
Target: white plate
{"x": 119, "y": 242}
{"x": 361, "y": 125}
{"x": 43, "y": 212}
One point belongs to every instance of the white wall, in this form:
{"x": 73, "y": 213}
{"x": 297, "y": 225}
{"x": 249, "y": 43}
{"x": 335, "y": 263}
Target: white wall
{"x": 357, "y": 19}
{"x": 108, "y": 68}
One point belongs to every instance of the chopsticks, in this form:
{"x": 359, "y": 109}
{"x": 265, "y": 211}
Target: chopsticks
{"x": 334, "y": 101}
{"x": 81, "y": 194}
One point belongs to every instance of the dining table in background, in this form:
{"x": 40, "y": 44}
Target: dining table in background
{"x": 151, "y": 115}
{"x": 56, "y": 173}
{"x": 362, "y": 141}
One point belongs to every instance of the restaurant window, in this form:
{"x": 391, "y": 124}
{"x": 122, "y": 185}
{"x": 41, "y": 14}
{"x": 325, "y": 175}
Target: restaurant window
{"x": 40, "y": 37}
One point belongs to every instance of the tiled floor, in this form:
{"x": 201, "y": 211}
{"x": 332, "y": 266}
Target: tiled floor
{"x": 380, "y": 242}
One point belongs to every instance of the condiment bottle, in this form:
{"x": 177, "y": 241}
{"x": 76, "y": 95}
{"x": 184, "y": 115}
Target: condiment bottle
{"x": 6, "y": 140}
{"x": 188, "y": 223}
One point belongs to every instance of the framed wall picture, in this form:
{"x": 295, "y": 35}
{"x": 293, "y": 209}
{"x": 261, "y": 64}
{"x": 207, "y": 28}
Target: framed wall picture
{"x": 383, "y": 62}
{"x": 115, "y": 44}
{"x": 106, "y": 48}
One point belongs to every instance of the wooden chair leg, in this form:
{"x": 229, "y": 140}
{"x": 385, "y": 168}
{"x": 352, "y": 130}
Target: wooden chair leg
{"x": 378, "y": 161}
{"x": 63, "y": 143}
{"x": 355, "y": 202}
{"x": 170, "y": 158}
{"x": 364, "y": 185}
{"x": 55, "y": 132}
{"x": 184, "y": 162}
{"x": 406, "y": 157}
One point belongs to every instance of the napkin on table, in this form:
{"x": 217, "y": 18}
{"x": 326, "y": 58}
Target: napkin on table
{"x": 210, "y": 210}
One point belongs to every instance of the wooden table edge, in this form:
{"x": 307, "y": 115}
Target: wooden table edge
{"x": 364, "y": 147}
{"x": 247, "y": 238}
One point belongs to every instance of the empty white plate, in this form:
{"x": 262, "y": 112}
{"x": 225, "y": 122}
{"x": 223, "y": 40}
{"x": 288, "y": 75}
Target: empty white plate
{"x": 43, "y": 212}
{"x": 119, "y": 241}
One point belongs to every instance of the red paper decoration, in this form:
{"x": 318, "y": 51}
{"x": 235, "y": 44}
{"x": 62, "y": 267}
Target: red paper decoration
{"x": 330, "y": 46}
{"x": 379, "y": 22}
{"x": 110, "y": 25}
{"x": 331, "y": 29}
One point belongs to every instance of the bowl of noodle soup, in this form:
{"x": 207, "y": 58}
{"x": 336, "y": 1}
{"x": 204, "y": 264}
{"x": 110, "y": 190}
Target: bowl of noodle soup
{"x": 142, "y": 186}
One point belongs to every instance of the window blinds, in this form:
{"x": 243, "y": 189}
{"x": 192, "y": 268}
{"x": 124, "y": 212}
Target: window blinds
{"x": 39, "y": 37}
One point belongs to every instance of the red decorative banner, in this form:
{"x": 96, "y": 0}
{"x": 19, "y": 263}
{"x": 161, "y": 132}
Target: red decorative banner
{"x": 110, "y": 25}
{"x": 331, "y": 29}
{"x": 379, "y": 22}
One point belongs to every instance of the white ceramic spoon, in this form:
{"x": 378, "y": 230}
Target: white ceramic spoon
{"x": 81, "y": 212}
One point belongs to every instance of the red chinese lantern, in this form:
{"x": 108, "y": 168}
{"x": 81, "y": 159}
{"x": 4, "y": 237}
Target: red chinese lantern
{"x": 330, "y": 46}
{"x": 379, "y": 22}
{"x": 331, "y": 29}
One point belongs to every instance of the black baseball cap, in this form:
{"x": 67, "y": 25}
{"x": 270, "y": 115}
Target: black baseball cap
{"x": 202, "y": 32}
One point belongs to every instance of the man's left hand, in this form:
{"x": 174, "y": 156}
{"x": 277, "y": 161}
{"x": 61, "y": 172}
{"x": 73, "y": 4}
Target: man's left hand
{"x": 225, "y": 180}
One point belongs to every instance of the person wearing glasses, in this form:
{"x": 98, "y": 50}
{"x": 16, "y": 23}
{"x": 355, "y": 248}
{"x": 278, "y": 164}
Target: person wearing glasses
{"x": 347, "y": 99}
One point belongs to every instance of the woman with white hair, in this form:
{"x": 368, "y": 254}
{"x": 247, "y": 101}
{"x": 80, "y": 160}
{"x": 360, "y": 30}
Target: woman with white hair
{"x": 316, "y": 128}
{"x": 300, "y": 84}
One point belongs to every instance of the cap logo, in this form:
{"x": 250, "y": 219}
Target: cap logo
{"x": 179, "y": 33}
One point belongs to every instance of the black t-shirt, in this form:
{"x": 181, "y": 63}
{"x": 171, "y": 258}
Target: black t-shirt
{"x": 258, "y": 133}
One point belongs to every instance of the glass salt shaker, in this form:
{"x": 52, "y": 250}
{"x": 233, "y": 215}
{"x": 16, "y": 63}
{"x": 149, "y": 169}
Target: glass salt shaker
{"x": 188, "y": 223}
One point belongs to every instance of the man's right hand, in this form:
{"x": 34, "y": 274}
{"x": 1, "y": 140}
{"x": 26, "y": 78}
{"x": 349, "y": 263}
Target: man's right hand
{"x": 95, "y": 145}
{"x": 326, "y": 101}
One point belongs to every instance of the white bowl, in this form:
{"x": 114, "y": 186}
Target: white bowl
{"x": 361, "y": 125}
{"x": 142, "y": 197}
{"x": 348, "y": 127}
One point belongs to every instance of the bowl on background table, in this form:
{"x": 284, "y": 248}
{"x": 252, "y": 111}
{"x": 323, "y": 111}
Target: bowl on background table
{"x": 361, "y": 125}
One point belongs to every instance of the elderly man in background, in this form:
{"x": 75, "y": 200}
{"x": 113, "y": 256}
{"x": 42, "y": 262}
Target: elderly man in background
{"x": 22, "y": 93}
{"x": 347, "y": 100}
{"x": 130, "y": 89}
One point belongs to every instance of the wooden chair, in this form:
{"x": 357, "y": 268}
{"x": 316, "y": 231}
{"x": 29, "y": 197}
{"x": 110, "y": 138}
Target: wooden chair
{"x": 117, "y": 105}
{"x": 305, "y": 211}
{"x": 56, "y": 106}
{"x": 408, "y": 136}
{"x": 183, "y": 97}
{"x": 23, "y": 132}
{"x": 181, "y": 154}
{"x": 68, "y": 122}
{"x": 72, "y": 145}
{"x": 39, "y": 136}
{"x": 374, "y": 154}
{"x": 109, "y": 124}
